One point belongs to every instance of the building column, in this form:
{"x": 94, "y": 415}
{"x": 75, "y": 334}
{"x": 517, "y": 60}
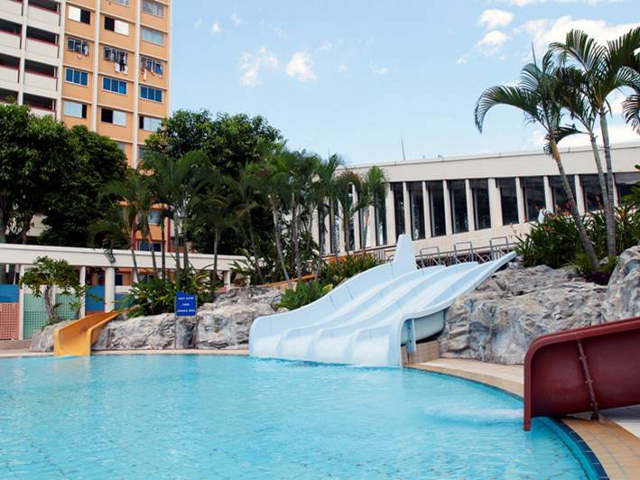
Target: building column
{"x": 579, "y": 195}
{"x": 520, "y": 197}
{"x": 390, "y": 215}
{"x": 109, "y": 289}
{"x": 471, "y": 217}
{"x": 371, "y": 227}
{"x": 83, "y": 282}
{"x": 447, "y": 208}
{"x": 548, "y": 195}
{"x": 21, "y": 306}
{"x": 427, "y": 211}
{"x": 340, "y": 231}
{"x": 356, "y": 221}
{"x": 495, "y": 203}
{"x": 407, "y": 209}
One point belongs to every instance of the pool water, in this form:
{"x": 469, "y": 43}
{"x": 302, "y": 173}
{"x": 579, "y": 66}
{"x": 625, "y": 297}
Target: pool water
{"x": 203, "y": 417}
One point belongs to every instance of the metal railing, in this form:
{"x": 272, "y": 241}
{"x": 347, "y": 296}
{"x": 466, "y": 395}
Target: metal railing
{"x": 464, "y": 252}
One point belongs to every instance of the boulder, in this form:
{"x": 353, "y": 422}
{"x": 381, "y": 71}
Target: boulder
{"x": 42, "y": 340}
{"x": 155, "y": 332}
{"x": 623, "y": 293}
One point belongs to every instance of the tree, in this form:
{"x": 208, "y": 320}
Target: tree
{"x": 78, "y": 202}
{"x": 324, "y": 196}
{"x": 346, "y": 182}
{"x": 370, "y": 194}
{"x": 537, "y": 95}
{"x": 604, "y": 74}
{"x": 48, "y": 273}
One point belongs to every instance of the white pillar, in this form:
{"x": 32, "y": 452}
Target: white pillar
{"x": 390, "y": 215}
{"x": 407, "y": 209}
{"x": 227, "y": 278}
{"x": 356, "y": 220}
{"x": 109, "y": 289}
{"x": 447, "y": 208}
{"x": 21, "y": 306}
{"x": 471, "y": 218}
{"x": 521, "y": 213}
{"x": 548, "y": 195}
{"x": 427, "y": 212}
{"x": 495, "y": 203}
{"x": 83, "y": 282}
{"x": 579, "y": 195}
{"x": 371, "y": 227}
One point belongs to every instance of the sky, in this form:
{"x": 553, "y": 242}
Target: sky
{"x": 361, "y": 77}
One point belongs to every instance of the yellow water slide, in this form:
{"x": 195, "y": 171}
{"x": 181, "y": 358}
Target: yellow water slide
{"x": 77, "y": 337}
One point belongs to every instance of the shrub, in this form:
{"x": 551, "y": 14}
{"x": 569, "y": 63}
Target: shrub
{"x": 303, "y": 294}
{"x": 338, "y": 271}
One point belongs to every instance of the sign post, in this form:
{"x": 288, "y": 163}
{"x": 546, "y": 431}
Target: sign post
{"x": 186, "y": 306}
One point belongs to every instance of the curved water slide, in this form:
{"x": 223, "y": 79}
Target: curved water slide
{"x": 366, "y": 320}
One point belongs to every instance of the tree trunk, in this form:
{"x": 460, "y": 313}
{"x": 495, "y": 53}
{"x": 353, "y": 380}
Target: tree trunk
{"x": 321, "y": 238}
{"x": 216, "y": 241}
{"x": 254, "y": 252}
{"x": 177, "y": 255}
{"x": 276, "y": 228}
{"x": 163, "y": 245}
{"x": 582, "y": 232}
{"x": 133, "y": 250}
{"x": 295, "y": 239}
{"x": 185, "y": 252}
{"x": 49, "y": 303}
{"x": 611, "y": 226}
{"x": 3, "y": 239}
{"x": 153, "y": 254}
{"x": 364, "y": 230}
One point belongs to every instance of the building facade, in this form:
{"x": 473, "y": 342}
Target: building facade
{"x": 448, "y": 204}
{"x": 104, "y": 64}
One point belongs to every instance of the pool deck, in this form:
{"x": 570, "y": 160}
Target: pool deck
{"x": 26, "y": 353}
{"x": 615, "y": 440}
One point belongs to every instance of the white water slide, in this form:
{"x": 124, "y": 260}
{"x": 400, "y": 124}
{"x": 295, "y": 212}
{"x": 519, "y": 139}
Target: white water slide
{"x": 366, "y": 320}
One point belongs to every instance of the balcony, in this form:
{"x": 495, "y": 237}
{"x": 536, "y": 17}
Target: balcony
{"x": 8, "y": 74}
{"x": 38, "y": 80}
{"x": 43, "y": 49}
{"x": 41, "y": 112}
{"x": 10, "y": 40}
{"x": 44, "y": 16}
{"x": 11, "y": 6}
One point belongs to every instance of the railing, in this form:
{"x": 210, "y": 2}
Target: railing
{"x": 464, "y": 252}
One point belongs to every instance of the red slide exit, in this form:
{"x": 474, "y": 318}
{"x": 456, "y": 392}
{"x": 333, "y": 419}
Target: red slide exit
{"x": 581, "y": 370}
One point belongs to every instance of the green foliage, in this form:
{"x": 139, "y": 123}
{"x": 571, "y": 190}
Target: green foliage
{"x": 303, "y": 294}
{"x": 48, "y": 274}
{"x": 338, "y": 271}
{"x": 554, "y": 242}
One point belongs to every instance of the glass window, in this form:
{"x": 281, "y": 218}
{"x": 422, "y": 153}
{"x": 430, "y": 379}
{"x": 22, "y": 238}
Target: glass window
{"x": 147, "y": 247}
{"x": 416, "y": 208}
{"x": 154, "y": 217}
{"x": 591, "y": 192}
{"x": 533, "y": 196}
{"x": 560, "y": 199}
{"x": 78, "y": 14}
{"x": 398, "y": 207}
{"x": 75, "y": 109}
{"x": 148, "y": 64}
{"x": 481, "y": 206}
{"x": 124, "y": 3}
{"x": 78, "y": 45}
{"x": 150, "y": 123}
{"x": 76, "y": 76}
{"x": 508, "y": 200}
{"x": 119, "y": 118}
{"x": 152, "y": 36}
{"x": 436, "y": 209}
{"x": 154, "y": 8}
{"x": 150, "y": 93}
{"x": 114, "y": 85}
{"x": 381, "y": 221}
{"x": 458, "y": 196}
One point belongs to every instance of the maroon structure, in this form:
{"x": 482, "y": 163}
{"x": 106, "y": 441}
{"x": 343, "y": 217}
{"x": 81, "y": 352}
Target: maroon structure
{"x": 586, "y": 369}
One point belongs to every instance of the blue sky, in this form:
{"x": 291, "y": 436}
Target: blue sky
{"x": 355, "y": 76}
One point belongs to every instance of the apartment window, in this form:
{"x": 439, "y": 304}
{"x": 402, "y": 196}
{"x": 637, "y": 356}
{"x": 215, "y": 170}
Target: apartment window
{"x": 120, "y": 58}
{"x": 114, "y": 116}
{"x": 458, "y": 195}
{"x": 42, "y": 35}
{"x": 154, "y": 217}
{"x": 78, "y": 45}
{"x": 154, "y": 8}
{"x": 152, "y": 36}
{"x": 150, "y": 93}
{"x": 398, "y": 207}
{"x": 150, "y": 123}
{"x": 533, "y": 195}
{"x": 148, "y": 246}
{"x": 115, "y": 25}
{"x": 114, "y": 85}
{"x": 42, "y": 103}
{"x": 381, "y": 221}
{"x": 39, "y": 68}
{"x": 76, "y": 76}
{"x": 10, "y": 27}
{"x": 124, "y": 3}
{"x": 75, "y": 109}
{"x": 78, "y": 14}
{"x": 436, "y": 209}
{"x": 591, "y": 191}
{"x": 8, "y": 61}
{"x": 416, "y": 208}
{"x": 560, "y": 198}
{"x": 481, "y": 207}
{"x": 508, "y": 200}
{"x": 46, "y": 4}
{"x": 148, "y": 64}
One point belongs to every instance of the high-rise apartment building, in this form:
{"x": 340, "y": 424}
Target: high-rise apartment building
{"x": 99, "y": 63}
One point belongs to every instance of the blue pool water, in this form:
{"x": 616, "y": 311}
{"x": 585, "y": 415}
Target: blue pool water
{"x": 201, "y": 417}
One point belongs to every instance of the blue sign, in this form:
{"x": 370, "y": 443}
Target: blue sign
{"x": 186, "y": 304}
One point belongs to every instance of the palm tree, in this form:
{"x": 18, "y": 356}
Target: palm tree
{"x": 536, "y": 94}
{"x": 604, "y": 74}
{"x": 629, "y": 56}
{"x": 370, "y": 194}
{"x": 345, "y": 183}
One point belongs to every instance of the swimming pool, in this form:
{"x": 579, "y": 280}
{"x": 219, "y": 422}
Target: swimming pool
{"x": 203, "y": 417}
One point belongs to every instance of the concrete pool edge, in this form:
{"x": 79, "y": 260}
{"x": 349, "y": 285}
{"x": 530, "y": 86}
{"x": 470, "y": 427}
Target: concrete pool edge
{"x": 230, "y": 353}
{"x": 609, "y": 447}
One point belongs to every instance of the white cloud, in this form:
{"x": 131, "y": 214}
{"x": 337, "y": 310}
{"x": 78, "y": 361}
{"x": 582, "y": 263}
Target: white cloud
{"x": 198, "y": 22}
{"x": 493, "y": 18}
{"x": 491, "y": 43}
{"x": 252, "y": 63}
{"x": 545, "y": 31}
{"x": 236, "y": 19}
{"x": 379, "y": 70}
{"x": 215, "y": 28}
{"x": 526, "y": 3}
{"x": 618, "y": 133}
{"x": 342, "y": 68}
{"x": 326, "y": 46}
{"x": 300, "y": 67}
